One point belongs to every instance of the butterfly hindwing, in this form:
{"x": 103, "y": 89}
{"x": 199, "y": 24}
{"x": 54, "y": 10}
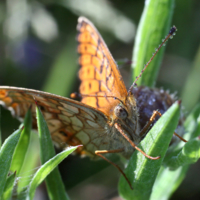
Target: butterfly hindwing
{"x": 70, "y": 122}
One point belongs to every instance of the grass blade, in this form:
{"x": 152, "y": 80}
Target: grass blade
{"x": 22, "y": 146}
{"x": 55, "y": 186}
{"x": 29, "y": 165}
{"x": 46, "y": 169}
{"x": 6, "y": 155}
{"x": 8, "y": 187}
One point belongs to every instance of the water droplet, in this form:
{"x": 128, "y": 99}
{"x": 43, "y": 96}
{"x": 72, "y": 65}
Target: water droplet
{"x": 171, "y": 36}
{"x": 164, "y": 44}
{"x": 163, "y": 40}
{"x": 156, "y": 49}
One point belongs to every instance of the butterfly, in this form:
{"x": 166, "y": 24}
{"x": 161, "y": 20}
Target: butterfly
{"x": 107, "y": 118}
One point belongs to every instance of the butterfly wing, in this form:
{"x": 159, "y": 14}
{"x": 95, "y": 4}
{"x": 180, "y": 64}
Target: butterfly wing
{"x": 70, "y": 122}
{"x": 99, "y": 73}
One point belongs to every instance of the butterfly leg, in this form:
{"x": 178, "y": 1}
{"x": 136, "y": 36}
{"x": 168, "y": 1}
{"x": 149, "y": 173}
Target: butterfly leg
{"x": 117, "y": 126}
{"x": 147, "y": 126}
{"x": 100, "y": 152}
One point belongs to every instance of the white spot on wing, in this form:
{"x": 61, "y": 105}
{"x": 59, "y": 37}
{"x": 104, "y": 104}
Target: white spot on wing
{"x": 47, "y": 115}
{"x": 67, "y": 113}
{"x": 83, "y": 137}
{"x": 71, "y": 108}
{"x": 54, "y": 124}
{"x": 93, "y": 124}
{"x": 64, "y": 118}
{"x": 76, "y": 123}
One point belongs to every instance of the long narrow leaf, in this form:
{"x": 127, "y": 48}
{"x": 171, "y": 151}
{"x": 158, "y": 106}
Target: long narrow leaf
{"x": 6, "y": 155}
{"x": 162, "y": 190}
{"x": 22, "y": 146}
{"x": 55, "y": 186}
{"x": 29, "y": 165}
{"x": 141, "y": 171}
{"x": 8, "y": 187}
{"x": 154, "y": 26}
{"x": 46, "y": 169}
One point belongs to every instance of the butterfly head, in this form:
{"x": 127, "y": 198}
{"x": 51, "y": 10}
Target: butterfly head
{"x": 120, "y": 112}
{"x": 126, "y": 115}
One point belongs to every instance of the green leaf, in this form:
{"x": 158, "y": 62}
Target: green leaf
{"x": 191, "y": 130}
{"x": 8, "y": 187}
{"x": 22, "y": 146}
{"x": 142, "y": 171}
{"x": 153, "y": 27}
{"x": 6, "y": 155}
{"x": 29, "y": 165}
{"x": 47, "y": 168}
{"x": 55, "y": 186}
{"x": 189, "y": 155}
{"x": 162, "y": 190}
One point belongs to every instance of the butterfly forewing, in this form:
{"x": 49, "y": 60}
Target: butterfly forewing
{"x": 70, "y": 122}
{"x": 99, "y": 73}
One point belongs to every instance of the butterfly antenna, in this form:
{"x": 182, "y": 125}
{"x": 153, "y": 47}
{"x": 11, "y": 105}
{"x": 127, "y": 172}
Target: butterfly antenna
{"x": 170, "y": 35}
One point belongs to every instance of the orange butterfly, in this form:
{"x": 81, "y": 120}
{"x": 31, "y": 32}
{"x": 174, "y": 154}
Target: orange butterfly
{"x": 105, "y": 121}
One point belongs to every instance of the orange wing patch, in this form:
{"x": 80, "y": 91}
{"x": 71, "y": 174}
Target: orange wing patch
{"x": 99, "y": 73}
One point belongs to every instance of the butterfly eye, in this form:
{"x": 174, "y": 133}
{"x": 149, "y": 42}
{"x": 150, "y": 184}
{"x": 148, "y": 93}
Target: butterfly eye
{"x": 120, "y": 112}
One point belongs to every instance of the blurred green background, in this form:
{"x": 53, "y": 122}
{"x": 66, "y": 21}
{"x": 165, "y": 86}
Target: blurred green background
{"x": 38, "y": 51}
